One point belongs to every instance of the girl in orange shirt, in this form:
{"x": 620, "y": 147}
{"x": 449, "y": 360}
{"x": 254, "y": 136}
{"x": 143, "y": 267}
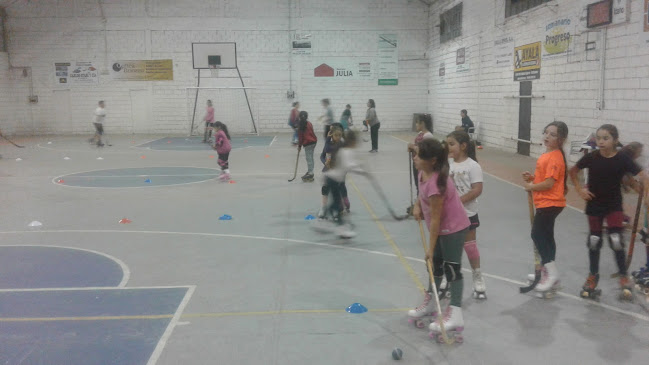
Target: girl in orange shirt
{"x": 549, "y": 187}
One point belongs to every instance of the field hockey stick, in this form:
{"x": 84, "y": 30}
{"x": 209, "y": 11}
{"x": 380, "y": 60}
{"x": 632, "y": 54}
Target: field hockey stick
{"x": 440, "y": 317}
{"x": 297, "y": 161}
{"x": 537, "y": 257}
{"x": 379, "y": 190}
{"x": 410, "y": 175}
{"x": 634, "y": 232}
{"x": 10, "y": 141}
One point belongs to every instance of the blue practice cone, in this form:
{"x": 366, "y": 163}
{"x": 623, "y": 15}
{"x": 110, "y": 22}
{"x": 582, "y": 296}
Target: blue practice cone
{"x": 148, "y": 181}
{"x": 225, "y": 217}
{"x": 356, "y": 308}
{"x": 309, "y": 218}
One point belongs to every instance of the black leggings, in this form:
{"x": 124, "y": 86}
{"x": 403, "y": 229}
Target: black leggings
{"x": 374, "y": 132}
{"x": 543, "y": 233}
{"x": 335, "y": 207}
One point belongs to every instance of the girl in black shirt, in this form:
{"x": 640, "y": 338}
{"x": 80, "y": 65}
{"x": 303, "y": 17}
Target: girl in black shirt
{"x": 603, "y": 195}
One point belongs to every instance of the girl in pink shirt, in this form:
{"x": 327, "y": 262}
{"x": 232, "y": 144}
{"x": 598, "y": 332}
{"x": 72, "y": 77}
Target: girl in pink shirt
{"x": 222, "y": 147}
{"x": 440, "y": 205}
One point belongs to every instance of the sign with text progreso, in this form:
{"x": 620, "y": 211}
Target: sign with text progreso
{"x": 527, "y": 62}
{"x": 557, "y": 39}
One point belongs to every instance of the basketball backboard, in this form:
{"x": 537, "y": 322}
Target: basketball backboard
{"x": 221, "y": 55}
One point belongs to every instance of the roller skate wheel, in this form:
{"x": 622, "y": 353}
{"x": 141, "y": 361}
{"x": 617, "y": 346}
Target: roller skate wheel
{"x": 420, "y": 323}
{"x": 646, "y": 291}
{"x": 459, "y": 339}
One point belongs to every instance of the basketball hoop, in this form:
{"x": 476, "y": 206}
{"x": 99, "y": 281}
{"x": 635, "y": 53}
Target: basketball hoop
{"x": 214, "y": 70}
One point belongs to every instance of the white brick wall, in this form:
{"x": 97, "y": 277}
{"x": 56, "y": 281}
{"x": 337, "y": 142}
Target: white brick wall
{"x": 45, "y": 32}
{"x": 570, "y": 87}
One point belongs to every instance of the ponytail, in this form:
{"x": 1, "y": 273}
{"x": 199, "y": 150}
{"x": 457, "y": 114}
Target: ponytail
{"x": 431, "y": 148}
{"x": 562, "y": 132}
{"x": 302, "y": 120}
{"x": 222, "y": 127}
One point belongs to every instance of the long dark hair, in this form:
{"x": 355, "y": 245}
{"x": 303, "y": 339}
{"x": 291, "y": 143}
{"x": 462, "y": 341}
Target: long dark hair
{"x": 562, "y": 132}
{"x": 632, "y": 150}
{"x": 303, "y": 118}
{"x": 428, "y": 121}
{"x": 222, "y": 127}
{"x": 462, "y": 137}
{"x": 431, "y": 148}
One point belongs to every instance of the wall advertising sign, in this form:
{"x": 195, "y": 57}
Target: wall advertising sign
{"x": 143, "y": 70}
{"x": 527, "y": 62}
{"x": 557, "y": 39}
{"x": 75, "y": 73}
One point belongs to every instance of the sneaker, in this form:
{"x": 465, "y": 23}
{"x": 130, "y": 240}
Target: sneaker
{"x": 373, "y": 151}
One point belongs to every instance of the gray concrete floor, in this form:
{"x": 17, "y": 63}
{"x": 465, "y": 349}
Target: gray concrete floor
{"x": 271, "y": 291}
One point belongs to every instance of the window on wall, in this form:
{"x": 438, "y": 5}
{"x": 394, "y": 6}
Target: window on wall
{"x": 513, "y": 7}
{"x": 450, "y": 23}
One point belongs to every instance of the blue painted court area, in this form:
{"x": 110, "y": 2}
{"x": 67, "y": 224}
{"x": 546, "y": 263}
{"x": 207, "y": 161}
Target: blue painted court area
{"x": 196, "y": 144}
{"x": 93, "y": 326}
{"x": 137, "y": 177}
{"x": 25, "y": 267}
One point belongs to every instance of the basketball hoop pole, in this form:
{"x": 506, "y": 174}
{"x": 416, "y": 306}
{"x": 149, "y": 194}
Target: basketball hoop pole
{"x": 254, "y": 125}
{"x": 191, "y": 130}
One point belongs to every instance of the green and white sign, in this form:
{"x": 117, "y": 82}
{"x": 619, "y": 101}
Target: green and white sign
{"x": 388, "y": 60}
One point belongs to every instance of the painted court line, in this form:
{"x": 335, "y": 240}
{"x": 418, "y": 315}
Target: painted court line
{"x": 126, "y": 272}
{"x": 389, "y": 239}
{"x": 170, "y": 327}
{"x": 194, "y": 315}
{"x": 501, "y": 278}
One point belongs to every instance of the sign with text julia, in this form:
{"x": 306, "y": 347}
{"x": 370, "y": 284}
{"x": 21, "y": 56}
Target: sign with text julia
{"x": 143, "y": 70}
{"x": 527, "y": 62}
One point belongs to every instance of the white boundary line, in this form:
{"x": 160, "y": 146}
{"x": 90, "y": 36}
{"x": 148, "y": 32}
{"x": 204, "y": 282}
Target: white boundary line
{"x": 380, "y": 253}
{"x": 170, "y": 327}
{"x": 273, "y": 141}
{"x": 130, "y": 176}
{"x": 95, "y": 288}
{"x": 126, "y": 272}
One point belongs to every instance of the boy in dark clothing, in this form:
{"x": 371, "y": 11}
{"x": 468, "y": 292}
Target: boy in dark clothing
{"x": 466, "y": 122}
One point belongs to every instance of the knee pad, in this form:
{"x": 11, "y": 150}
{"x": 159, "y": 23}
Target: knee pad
{"x": 615, "y": 240}
{"x": 325, "y": 189}
{"x": 471, "y": 249}
{"x": 453, "y": 271}
{"x": 594, "y": 242}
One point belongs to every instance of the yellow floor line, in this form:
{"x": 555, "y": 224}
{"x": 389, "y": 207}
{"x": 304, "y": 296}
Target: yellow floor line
{"x": 388, "y": 238}
{"x": 191, "y": 315}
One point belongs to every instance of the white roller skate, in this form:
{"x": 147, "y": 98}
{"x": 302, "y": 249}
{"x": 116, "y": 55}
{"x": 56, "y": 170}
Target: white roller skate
{"x": 346, "y": 231}
{"x": 453, "y": 325}
{"x": 324, "y": 226}
{"x": 549, "y": 283}
{"x": 225, "y": 175}
{"x": 322, "y": 213}
{"x": 479, "y": 286}
{"x": 424, "y": 314}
